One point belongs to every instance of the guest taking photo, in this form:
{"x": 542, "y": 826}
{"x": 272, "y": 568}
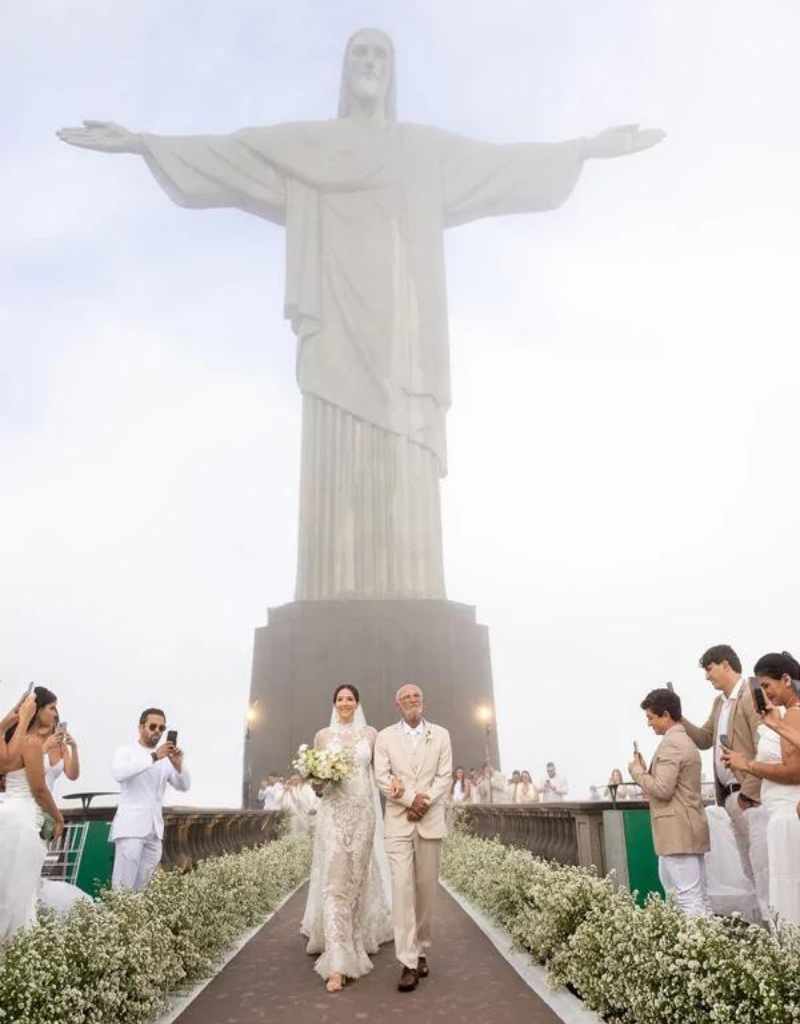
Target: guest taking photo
{"x": 677, "y": 816}
{"x": 777, "y": 765}
{"x": 143, "y": 771}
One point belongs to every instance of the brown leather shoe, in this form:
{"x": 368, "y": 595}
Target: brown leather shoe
{"x": 409, "y": 980}
{"x": 422, "y": 967}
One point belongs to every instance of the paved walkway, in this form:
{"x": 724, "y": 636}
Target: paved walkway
{"x": 271, "y": 979}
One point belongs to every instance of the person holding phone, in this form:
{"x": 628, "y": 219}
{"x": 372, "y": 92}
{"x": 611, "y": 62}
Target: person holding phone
{"x": 777, "y": 765}
{"x": 143, "y": 771}
{"x": 677, "y": 816}
{"x": 61, "y": 756}
{"x": 733, "y": 714}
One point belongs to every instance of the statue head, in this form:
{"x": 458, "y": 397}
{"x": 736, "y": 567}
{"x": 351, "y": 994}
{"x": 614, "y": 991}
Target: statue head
{"x": 368, "y": 73}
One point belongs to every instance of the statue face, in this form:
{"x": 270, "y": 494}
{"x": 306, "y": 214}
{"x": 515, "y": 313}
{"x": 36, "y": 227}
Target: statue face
{"x": 369, "y": 65}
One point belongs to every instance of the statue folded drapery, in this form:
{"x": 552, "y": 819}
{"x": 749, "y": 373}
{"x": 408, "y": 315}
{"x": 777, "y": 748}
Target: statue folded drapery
{"x": 364, "y": 207}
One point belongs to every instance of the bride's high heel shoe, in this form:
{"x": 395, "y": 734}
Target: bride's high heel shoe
{"x": 335, "y": 983}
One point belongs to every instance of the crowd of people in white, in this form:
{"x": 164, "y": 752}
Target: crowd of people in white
{"x": 36, "y": 749}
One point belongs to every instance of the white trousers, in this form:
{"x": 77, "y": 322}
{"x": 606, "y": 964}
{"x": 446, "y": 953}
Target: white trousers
{"x": 683, "y": 876}
{"x": 750, "y": 831}
{"x": 414, "y": 863}
{"x": 135, "y": 861}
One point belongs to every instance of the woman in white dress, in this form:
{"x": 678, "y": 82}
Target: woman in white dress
{"x": 27, "y": 799}
{"x": 61, "y": 757}
{"x": 527, "y": 792}
{"x": 299, "y": 802}
{"x": 777, "y": 763}
{"x": 347, "y": 914}
{"x": 461, "y": 789}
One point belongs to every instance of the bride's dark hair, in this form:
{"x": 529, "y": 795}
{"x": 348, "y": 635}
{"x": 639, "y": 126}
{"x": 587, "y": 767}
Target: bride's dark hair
{"x": 43, "y": 698}
{"x": 347, "y": 686}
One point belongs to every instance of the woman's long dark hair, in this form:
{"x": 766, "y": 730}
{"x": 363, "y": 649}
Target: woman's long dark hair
{"x": 43, "y": 698}
{"x": 776, "y": 666}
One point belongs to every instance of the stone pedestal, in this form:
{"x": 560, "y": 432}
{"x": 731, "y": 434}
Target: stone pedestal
{"x": 309, "y": 647}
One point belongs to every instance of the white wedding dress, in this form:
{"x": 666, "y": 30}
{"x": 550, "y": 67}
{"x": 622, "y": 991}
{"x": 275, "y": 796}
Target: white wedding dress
{"x": 348, "y": 914}
{"x": 22, "y": 853}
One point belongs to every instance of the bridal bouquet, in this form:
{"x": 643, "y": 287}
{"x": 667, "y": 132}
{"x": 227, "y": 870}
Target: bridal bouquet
{"x": 323, "y": 766}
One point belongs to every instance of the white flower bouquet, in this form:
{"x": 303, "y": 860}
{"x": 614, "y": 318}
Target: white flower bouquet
{"x": 321, "y": 767}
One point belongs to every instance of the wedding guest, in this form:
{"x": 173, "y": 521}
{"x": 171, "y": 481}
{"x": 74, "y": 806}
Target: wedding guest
{"x": 734, "y": 715}
{"x": 594, "y": 793}
{"x": 299, "y": 801}
{"x": 475, "y": 779}
{"x": 554, "y": 786}
{"x": 61, "y": 757}
{"x": 677, "y": 816}
{"x": 526, "y": 791}
{"x": 27, "y": 800}
{"x": 271, "y": 793}
{"x": 460, "y": 789}
{"x": 777, "y": 764}
{"x": 143, "y": 771}
{"x": 616, "y": 788}
{"x": 511, "y": 786}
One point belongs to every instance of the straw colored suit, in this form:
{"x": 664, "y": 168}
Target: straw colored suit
{"x": 423, "y": 765}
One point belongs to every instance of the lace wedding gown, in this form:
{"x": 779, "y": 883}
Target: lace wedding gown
{"x": 347, "y": 914}
{"x": 21, "y": 855}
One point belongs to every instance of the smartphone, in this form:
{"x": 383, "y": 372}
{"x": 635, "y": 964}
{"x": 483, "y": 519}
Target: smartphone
{"x": 61, "y": 728}
{"x": 172, "y": 737}
{"x": 670, "y": 687}
{"x": 635, "y": 747}
{"x": 29, "y": 691}
{"x": 759, "y": 699}
{"x": 725, "y": 741}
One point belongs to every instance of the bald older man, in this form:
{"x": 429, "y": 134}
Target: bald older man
{"x": 413, "y": 768}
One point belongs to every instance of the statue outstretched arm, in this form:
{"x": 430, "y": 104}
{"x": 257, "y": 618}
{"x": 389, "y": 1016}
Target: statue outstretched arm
{"x": 196, "y": 171}
{"x": 103, "y": 136}
{"x": 621, "y": 140}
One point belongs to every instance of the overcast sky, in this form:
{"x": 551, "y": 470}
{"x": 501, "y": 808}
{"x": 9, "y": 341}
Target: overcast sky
{"x": 623, "y": 486}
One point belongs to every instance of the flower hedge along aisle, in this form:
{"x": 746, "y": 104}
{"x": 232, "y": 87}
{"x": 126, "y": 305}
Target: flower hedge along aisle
{"x": 633, "y": 965}
{"x": 118, "y": 960}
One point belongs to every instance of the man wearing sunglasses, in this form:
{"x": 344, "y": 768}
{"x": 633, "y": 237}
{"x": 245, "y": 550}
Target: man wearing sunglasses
{"x": 143, "y": 771}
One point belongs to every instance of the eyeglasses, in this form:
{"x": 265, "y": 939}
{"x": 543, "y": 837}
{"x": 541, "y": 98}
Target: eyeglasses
{"x": 156, "y": 728}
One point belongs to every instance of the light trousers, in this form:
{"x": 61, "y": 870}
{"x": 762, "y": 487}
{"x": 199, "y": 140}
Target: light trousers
{"x": 135, "y": 861}
{"x": 683, "y": 876}
{"x": 750, "y": 831}
{"x": 414, "y": 863}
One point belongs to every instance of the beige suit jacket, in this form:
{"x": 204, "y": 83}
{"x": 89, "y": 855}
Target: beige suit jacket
{"x": 672, "y": 786}
{"x": 742, "y": 732}
{"x": 424, "y": 767}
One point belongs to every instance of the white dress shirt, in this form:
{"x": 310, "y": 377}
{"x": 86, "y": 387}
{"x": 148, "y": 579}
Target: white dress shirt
{"x": 724, "y": 774}
{"x": 555, "y": 788}
{"x": 142, "y": 782}
{"x": 415, "y": 732}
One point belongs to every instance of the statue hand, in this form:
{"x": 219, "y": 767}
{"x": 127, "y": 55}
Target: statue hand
{"x": 622, "y": 140}
{"x": 104, "y": 136}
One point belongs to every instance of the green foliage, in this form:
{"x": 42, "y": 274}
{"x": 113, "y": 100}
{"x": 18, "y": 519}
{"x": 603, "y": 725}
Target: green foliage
{"x": 633, "y": 965}
{"x": 119, "y": 959}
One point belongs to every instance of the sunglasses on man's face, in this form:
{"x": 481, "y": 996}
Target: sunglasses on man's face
{"x": 155, "y": 728}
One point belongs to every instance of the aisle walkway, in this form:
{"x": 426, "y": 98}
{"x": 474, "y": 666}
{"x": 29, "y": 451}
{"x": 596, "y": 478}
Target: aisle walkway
{"x": 271, "y": 979}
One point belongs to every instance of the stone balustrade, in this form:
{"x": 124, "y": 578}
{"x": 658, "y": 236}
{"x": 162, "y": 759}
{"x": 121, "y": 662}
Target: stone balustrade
{"x": 569, "y": 832}
{"x": 194, "y": 833}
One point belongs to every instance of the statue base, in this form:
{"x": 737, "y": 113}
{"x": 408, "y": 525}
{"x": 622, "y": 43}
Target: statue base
{"x": 309, "y": 647}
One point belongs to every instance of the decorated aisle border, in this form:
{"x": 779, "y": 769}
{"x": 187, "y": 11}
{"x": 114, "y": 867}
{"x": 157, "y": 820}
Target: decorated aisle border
{"x": 121, "y": 958}
{"x": 630, "y": 964}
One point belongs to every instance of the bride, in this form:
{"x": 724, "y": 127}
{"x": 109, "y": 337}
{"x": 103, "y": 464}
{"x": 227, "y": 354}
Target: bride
{"x": 347, "y": 914}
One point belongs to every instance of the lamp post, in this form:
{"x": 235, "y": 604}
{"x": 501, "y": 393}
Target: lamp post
{"x": 485, "y": 716}
{"x": 251, "y": 716}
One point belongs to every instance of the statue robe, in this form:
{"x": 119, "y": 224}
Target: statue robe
{"x": 365, "y": 206}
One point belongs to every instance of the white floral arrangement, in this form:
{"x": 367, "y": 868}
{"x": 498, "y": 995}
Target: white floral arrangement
{"x": 323, "y": 766}
{"x": 630, "y": 964}
{"x": 121, "y": 958}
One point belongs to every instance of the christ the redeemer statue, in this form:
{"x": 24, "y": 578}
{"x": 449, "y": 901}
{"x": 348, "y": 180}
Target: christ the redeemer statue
{"x": 365, "y": 201}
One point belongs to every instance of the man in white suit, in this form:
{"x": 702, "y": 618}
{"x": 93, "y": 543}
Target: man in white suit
{"x": 413, "y": 769}
{"x": 143, "y": 771}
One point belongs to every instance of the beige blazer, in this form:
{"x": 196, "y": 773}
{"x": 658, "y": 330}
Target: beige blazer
{"x": 672, "y": 786}
{"x": 424, "y": 767}
{"x": 742, "y": 732}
